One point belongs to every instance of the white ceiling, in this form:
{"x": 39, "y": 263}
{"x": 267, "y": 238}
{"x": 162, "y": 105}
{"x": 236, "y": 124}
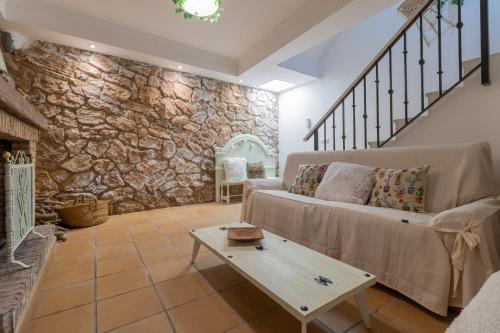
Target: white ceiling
{"x": 243, "y": 22}
{"x": 248, "y": 43}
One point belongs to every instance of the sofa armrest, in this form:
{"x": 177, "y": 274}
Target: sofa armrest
{"x": 467, "y": 216}
{"x": 252, "y": 185}
{"x": 467, "y": 224}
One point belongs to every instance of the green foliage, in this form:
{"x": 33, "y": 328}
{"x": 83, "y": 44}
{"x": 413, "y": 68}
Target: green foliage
{"x": 453, "y": 2}
{"x": 212, "y": 18}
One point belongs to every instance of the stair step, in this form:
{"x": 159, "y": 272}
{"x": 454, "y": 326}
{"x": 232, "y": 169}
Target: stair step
{"x": 398, "y": 124}
{"x": 432, "y": 96}
{"x": 470, "y": 64}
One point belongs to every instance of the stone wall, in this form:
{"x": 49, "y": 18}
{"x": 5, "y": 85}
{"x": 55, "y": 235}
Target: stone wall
{"x": 136, "y": 134}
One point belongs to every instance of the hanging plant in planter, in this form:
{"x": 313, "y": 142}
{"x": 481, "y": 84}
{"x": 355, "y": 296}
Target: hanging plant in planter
{"x": 203, "y": 10}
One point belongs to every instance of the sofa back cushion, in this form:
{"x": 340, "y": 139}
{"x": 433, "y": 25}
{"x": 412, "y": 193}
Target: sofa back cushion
{"x": 346, "y": 182}
{"x": 458, "y": 174}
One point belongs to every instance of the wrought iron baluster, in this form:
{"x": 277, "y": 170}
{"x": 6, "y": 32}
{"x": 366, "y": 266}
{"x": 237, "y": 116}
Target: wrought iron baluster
{"x": 333, "y": 130}
{"x": 422, "y": 63}
{"x": 354, "y": 118}
{"x": 391, "y": 93}
{"x": 377, "y": 85}
{"x": 440, "y": 48}
{"x": 324, "y": 135}
{"x": 316, "y": 140}
{"x": 460, "y": 26}
{"x": 485, "y": 44}
{"x": 365, "y": 116}
{"x": 405, "y": 53}
{"x": 343, "y": 125}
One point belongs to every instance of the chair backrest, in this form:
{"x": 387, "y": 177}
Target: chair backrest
{"x": 459, "y": 174}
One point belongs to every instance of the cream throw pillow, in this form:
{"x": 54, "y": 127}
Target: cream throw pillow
{"x": 235, "y": 168}
{"x": 346, "y": 182}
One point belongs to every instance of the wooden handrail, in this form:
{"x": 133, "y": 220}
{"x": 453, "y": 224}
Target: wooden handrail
{"x": 368, "y": 68}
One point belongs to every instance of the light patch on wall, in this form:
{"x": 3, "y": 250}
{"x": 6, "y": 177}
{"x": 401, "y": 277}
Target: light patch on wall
{"x": 277, "y": 85}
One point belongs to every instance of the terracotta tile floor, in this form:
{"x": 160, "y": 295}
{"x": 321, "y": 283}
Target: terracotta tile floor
{"x": 132, "y": 275}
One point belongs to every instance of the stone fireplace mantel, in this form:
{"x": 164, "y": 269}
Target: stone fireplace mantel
{"x": 20, "y": 123}
{"x": 19, "y": 120}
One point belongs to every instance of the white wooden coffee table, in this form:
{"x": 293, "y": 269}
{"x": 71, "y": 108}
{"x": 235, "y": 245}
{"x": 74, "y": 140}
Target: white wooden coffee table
{"x": 304, "y": 282}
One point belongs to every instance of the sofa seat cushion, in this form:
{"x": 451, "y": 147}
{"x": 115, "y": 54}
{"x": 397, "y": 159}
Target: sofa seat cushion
{"x": 395, "y": 215}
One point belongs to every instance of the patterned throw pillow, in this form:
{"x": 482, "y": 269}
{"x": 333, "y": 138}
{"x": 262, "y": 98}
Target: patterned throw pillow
{"x": 256, "y": 170}
{"x": 400, "y": 189}
{"x": 308, "y": 178}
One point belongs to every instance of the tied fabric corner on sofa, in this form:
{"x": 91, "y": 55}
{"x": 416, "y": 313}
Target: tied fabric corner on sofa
{"x": 439, "y": 258}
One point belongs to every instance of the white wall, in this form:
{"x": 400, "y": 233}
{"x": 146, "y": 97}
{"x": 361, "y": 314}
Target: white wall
{"x": 351, "y": 51}
{"x": 469, "y": 114}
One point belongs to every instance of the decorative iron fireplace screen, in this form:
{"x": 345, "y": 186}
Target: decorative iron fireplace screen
{"x": 19, "y": 201}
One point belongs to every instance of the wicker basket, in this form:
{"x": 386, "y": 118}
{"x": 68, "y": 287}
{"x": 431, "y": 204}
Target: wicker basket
{"x": 83, "y": 213}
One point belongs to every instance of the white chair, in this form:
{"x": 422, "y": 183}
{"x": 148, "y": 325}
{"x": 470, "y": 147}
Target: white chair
{"x": 249, "y": 147}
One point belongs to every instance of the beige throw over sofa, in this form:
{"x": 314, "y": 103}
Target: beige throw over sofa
{"x": 438, "y": 259}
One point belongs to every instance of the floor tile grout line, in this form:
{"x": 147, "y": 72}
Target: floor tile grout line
{"x": 199, "y": 298}
{"x": 46, "y": 290}
{"x": 62, "y": 310}
{"x": 377, "y": 311}
{"x": 154, "y": 287}
{"x": 123, "y": 293}
{"x": 132, "y": 322}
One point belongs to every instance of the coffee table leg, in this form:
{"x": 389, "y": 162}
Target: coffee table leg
{"x": 196, "y": 248}
{"x": 363, "y": 308}
{"x": 304, "y": 327}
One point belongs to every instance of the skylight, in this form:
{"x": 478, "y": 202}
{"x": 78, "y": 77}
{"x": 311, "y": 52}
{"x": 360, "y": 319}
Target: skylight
{"x": 277, "y": 85}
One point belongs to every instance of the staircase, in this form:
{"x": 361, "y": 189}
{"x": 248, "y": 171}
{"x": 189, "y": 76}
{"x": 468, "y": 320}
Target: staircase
{"x": 366, "y": 100}
{"x": 432, "y": 98}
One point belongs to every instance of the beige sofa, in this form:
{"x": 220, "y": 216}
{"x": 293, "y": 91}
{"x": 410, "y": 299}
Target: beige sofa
{"x": 438, "y": 259}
